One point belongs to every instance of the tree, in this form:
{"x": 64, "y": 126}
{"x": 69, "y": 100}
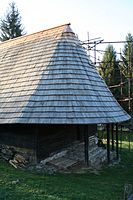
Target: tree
{"x": 10, "y": 26}
{"x": 127, "y": 55}
{"x": 109, "y": 69}
{"x": 127, "y": 69}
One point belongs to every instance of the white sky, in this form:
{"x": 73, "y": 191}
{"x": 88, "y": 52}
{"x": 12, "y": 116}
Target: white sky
{"x": 109, "y": 19}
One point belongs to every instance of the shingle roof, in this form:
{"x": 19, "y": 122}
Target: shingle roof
{"x": 46, "y": 78}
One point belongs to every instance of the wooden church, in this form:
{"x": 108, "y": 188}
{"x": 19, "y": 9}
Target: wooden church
{"x": 50, "y": 93}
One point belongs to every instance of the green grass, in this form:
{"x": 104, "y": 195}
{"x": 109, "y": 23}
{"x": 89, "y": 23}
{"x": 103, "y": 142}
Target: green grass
{"x": 108, "y": 185}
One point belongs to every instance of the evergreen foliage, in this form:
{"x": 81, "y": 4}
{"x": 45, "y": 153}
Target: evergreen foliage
{"x": 127, "y": 67}
{"x": 10, "y": 25}
{"x": 109, "y": 69}
{"x": 116, "y": 71}
{"x": 127, "y": 54}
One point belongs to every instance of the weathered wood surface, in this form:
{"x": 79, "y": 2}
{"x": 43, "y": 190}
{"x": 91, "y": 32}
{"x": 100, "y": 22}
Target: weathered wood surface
{"x": 52, "y": 138}
{"x": 15, "y": 159}
{"x": 17, "y": 135}
{"x": 47, "y": 78}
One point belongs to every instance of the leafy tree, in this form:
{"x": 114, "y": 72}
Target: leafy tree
{"x": 10, "y": 25}
{"x": 109, "y": 69}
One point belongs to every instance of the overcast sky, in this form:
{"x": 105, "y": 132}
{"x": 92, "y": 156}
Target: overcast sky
{"x": 109, "y": 19}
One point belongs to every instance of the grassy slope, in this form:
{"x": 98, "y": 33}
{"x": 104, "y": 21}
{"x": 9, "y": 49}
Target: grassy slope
{"x": 108, "y": 185}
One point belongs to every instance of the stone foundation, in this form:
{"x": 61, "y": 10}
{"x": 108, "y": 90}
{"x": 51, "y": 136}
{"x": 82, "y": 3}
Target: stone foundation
{"x": 72, "y": 158}
{"x": 69, "y": 158}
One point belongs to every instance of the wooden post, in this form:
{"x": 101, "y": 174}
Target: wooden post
{"x": 121, "y": 140}
{"x": 112, "y": 133}
{"x": 108, "y": 143}
{"x": 86, "y": 144}
{"x": 35, "y": 142}
{"x": 117, "y": 151}
{"x": 129, "y": 139}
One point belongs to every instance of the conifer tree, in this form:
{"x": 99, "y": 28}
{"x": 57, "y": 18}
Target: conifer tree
{"x": 127, "y": 69}
{"x": 10, "y": 25}
{"x": 109, "y": 69}
{"x": 127, "y": 55}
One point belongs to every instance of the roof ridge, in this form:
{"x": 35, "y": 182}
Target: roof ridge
{"x": 28, "y": 35}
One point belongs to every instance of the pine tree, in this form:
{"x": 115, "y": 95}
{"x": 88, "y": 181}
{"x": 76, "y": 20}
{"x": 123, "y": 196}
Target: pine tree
{"x": 10, "y": 25}
{"x": 127, "y": 69}
{"x": 127, "y": 56}
{"x": 109, "y": 69}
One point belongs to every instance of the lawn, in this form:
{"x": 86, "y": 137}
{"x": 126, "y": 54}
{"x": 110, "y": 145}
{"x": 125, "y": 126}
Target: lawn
{"x": 108, "y": 184}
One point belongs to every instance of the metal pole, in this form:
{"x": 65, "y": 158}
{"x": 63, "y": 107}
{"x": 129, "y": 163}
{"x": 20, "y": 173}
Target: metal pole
{"x": 88, "y": 43}
{"x": 129, "y": 77}
{"x": 95, "y": 53}
{"x": 86, "y": 145}
{"x": 108, "y": 144}
{"x": 117, "y": 151}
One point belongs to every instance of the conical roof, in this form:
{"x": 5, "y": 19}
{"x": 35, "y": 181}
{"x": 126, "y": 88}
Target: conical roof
{"x": 46, "y": 78}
